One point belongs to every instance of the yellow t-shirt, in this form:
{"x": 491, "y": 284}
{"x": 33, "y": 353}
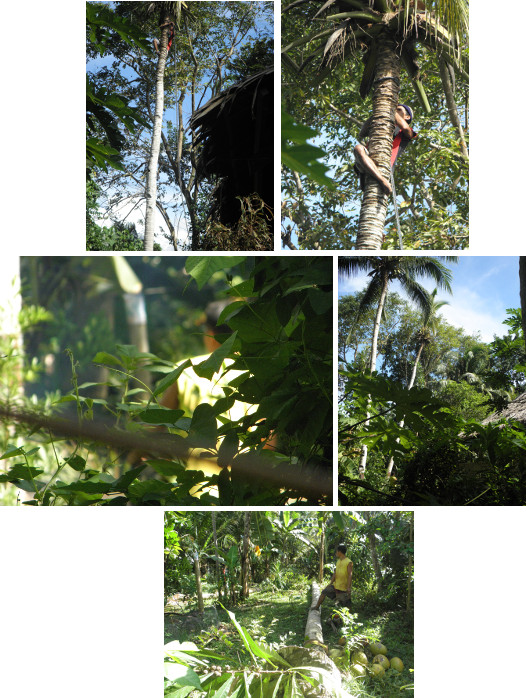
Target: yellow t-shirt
{"x": 340, "y": 580}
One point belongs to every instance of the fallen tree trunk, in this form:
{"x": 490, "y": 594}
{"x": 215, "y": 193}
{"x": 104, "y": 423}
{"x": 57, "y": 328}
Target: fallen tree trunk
{"x": 313, "y": 631}
{"x": 314, "y": 655}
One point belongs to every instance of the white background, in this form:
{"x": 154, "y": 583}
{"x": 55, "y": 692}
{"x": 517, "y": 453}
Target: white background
{"x": 81, "y": 589}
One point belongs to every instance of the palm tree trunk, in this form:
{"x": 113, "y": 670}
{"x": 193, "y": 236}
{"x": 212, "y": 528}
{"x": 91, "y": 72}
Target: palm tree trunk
{"x": 372, "y": 367}
{"x": 401, "y": 422}
{"x": 374, "y": 553}
{"x": 245, "y": 562}
{"x": 322, "y": 551}
{"x": 151, "y": 178}
{"x": 199, "y": 588}
{"x": 385, "y": 100}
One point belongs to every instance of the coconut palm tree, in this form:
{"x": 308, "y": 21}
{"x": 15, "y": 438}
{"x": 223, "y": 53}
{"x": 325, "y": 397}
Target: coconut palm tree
{"x": 167, "y": 12}
{"x": 382, "y": 271}
{"x": 386, "y": 33}
{"x": 423, "y": 337}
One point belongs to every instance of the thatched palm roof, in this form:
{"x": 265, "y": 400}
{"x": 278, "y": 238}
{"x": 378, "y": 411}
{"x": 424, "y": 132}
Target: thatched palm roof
{"x": 516, "y": 409}
{"x": 236, "y": 131}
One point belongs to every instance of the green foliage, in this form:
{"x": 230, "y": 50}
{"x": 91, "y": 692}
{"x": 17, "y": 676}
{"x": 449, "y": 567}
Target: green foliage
{"x": 439, "y": 458}
{"x": 300, "y": 156}
{"x": 281, "y": 344}
{"x": 247, "y": 647}
{"x": 324, "y": 94}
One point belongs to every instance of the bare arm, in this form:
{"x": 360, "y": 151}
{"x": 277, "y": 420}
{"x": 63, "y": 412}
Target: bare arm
{"x": 349, "y": 576}
{"x": 403, "y": 125}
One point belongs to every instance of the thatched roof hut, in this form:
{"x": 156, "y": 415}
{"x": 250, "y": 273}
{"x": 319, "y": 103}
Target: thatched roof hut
{"x": 236, "y": 130}
{"x": 516, "y": 409}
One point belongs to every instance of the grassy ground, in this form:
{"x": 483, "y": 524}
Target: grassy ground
{"x": 279, "y": 617}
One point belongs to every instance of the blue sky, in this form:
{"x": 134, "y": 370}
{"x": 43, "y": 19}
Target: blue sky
{"x": 483, "y": 287}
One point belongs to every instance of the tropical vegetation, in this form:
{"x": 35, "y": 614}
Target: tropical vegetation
{"x": 238, "y": 591}
{"x": 417, "y": 398}
{"x": 361, "y": 58}
{"x": 142, "y": 148}
{"x": 105, "y": 338}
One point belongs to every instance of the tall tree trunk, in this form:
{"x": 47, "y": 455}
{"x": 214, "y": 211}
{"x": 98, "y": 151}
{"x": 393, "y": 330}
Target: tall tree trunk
{"x": 401, "y": 422}
{"x": 372, "y": 367}
{"x": 197, "y": 571}
{"x": 151, "y": 178}
{"x": 374, "y": 553}
{"x": 322, "y": 550}
{"x": 216, "y": 550}
{"x": 245, "y": 563}
{"x": 385, "y": 100}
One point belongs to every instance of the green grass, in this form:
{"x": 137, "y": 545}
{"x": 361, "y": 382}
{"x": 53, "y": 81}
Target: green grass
{"x": 279, "y": 617}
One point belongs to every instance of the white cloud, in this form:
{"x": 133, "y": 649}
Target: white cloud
{"x": 469, "y": 310}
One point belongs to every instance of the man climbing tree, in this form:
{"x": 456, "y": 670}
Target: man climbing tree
{"x": 402, "y": 136}
{"x": 170, "y": 38}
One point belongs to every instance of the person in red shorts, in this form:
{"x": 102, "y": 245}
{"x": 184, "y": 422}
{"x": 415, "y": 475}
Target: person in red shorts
{"x": 403, "y": 135}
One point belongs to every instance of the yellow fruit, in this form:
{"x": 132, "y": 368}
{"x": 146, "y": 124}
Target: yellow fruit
{"x": 359, "y": 657}
{"x": 397, "y": 663}
{"x": 377, "y": 648}
{"x": 382, "y": 660}
{"x": 377, "y": 670}
{"x": 358, "y": 671}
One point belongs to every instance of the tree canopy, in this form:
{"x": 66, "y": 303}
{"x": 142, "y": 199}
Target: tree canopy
{"x": 214, "y": 45}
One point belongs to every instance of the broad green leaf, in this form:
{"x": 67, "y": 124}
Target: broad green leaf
{"x": 160, "y": 416}
{"x": 102, "y": 357}
{"x": 203, "y": 427}
{"x": 150, "y": 490}
{"x": 203, "y": 268}
{"x": 213, "y": 363}
{"x": 300, "y": 156}
{"x": 171, "y": 378}
{"x": 76, "y": 462}
{"x": 85, "y": 487}
{"x": 338, "y": 520}
{"x": 19, "y": 471}
{"x": 122, "y": 484}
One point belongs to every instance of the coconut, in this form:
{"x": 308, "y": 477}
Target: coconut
{"x": 377, "y": 670}
{"x": 342, "y": 640}
{"x": 359, "y": 657}
{"x": 358, "y": 671}
{"x": 397, "y": 663}
{"x": 335, "y": 653}
{"x": 377, "y": 648}
{"x": 382, "y": 660}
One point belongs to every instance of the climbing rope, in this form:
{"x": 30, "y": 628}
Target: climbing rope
{"x": 396, "y": 211}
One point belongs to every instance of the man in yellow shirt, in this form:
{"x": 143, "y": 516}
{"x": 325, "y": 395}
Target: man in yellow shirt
{"x": 339, "y": 588}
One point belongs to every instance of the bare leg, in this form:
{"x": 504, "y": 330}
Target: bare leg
{"x": 370, "y": 167}
{"x": 320, "y": 601}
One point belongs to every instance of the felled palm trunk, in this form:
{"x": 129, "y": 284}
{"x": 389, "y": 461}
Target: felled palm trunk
{"x": 313, "y": 631}
{"x": 314, "y": 655}
{"x": 385, "y": 100}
